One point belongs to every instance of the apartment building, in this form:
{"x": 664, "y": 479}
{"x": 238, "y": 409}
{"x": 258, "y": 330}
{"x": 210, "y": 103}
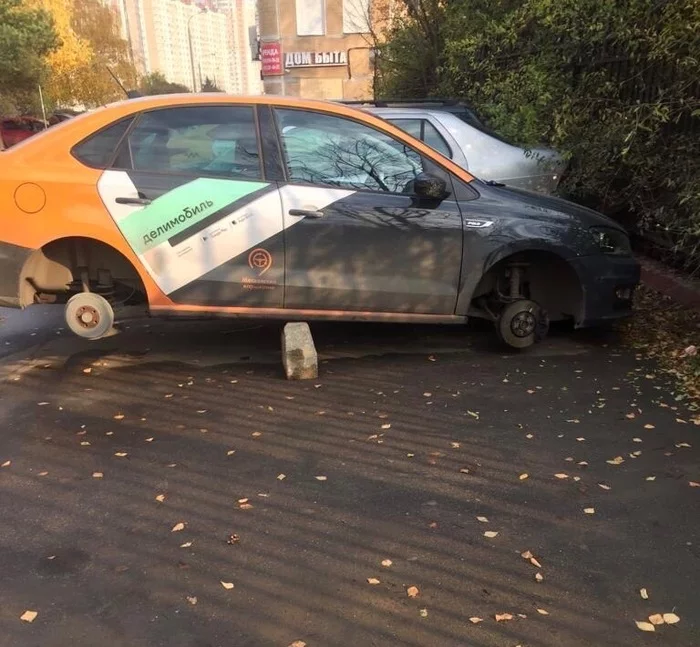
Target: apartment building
{"x": 190, "y": 41}
{"x": 320, "y": 49}
{"x": 243, "y": 39}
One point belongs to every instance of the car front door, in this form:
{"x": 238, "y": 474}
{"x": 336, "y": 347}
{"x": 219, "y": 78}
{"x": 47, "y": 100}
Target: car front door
{"x": 186, "y": 189}
{"x": 356, "y": 237}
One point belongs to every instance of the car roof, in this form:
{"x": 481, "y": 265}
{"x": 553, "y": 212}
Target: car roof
{"x": 435, "y": 112}
{"x": 56, "y": 142}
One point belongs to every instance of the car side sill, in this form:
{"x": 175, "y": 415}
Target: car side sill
{"x": 317, "y": 315}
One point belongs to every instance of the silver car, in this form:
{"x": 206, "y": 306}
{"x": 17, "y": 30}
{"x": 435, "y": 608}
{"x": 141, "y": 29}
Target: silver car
{"x": 474, "y": 147}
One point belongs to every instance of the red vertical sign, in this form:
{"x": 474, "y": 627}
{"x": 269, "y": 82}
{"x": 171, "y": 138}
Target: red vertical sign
{"x": 271, "y": 59}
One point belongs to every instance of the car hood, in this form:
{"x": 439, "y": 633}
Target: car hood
{"x": 547, "y": 207}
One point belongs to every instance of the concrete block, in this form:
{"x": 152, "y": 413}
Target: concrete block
{"x": 299, "y": 356}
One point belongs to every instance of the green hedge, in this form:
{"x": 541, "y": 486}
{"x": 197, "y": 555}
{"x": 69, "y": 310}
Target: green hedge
{"x": 612, "y": 84}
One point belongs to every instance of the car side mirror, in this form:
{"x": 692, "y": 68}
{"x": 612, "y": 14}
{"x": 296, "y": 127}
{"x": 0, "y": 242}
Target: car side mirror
{"x": 429, "y": 187}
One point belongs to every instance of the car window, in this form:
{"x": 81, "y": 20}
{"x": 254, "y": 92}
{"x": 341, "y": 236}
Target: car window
{"x": 208, "y": 140}
{"x": 434, "y": 139}
{"x": 98, "y": 149}
{"x": 336, "y": 151}
{"x": 425, "y": 131}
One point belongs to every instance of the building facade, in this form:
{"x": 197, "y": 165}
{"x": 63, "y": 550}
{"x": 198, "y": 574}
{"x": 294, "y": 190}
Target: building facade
{"x": 190, "y": 41}
{"x": 317, "y": 49}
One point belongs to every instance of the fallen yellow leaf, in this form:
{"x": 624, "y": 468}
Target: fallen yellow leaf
{"x": 656, "y": 619}
{"x": 671, "y": 618}
{"x": 28, "y": 616}
{"x": 97, "y": 475}
{"x": 475, "y": 620}
{"x": 534, "y": 562}
{"x": 693, "y": 484}
{"x": 603, "y": 486}
{"x": 615, "y": 461}
{"x": 589, "y": 510}
{"x": 645, "y": 626}
{"x": 412, "y": 591}
{"x": 644, "y": 594}
{"x": 526, "y": 555}
{"x": 281, "y": 477}
{"x": 561, "y": 475}
{"x": 386, "y": 563}
{"x": 192, "y": 599}
{"x": 6, "y": 464}
{"x": 373, "y": 580}
{"x": 539, "y": 577}
{"x": 543, "y": 612}
{"x": 297, "y": 643}
{"x": 386, "y": 426}
{"x": 648, "y": 426}
{"x": 160, "y": 498}
{"x": 650, "y": 478}
{"x": 321, "y": 478}
{"x": 178, "y": 527}
{"x": 490, "y": 534}
{"x": 121, "y": 454}
{"x": 501, "y": 617}
{"x": 522, "y": 477}
{"x": 483, "y": 519}
{"x": 119, "y": 416}
{"x": 230, "y": 452}
{"x": 227, "y": 585}
{"x": 423, "y": 613}
{"x": 256, "y": 434}
{"x": 187, "y": 544}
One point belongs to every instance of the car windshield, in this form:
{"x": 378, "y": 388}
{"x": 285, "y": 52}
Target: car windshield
{"x": 468, "y": 116}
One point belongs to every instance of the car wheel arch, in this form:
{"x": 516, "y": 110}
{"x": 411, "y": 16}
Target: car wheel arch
{"x": 552, "y": 280}
{"x": 53, "y": 266}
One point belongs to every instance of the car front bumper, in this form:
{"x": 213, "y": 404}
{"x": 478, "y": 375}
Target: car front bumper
{"x": 12, "y": 259}
{"x": 608, "y": 284}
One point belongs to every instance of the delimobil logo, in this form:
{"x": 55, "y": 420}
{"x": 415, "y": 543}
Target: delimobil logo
{"x": 260, "y": 260}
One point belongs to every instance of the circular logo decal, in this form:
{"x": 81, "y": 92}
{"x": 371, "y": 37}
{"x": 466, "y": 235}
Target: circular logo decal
{"x": 260, "y": 260}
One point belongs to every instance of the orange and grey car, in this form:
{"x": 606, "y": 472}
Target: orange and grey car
{"x": 275, "y": 207}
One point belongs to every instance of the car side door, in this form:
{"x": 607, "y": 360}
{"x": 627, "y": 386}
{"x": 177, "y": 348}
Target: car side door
{"x": 187, "y": 191}
{"x": 356, "y": 236}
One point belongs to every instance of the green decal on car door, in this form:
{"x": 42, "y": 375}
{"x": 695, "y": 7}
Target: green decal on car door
{"x": 183, "y": 207}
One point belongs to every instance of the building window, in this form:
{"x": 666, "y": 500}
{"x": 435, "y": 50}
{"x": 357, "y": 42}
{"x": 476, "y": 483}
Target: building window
{"x": 356, "y": 16}
{"x": 311, "y": 17}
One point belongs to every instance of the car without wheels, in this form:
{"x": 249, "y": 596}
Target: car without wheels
{"x": 277, "y": 207}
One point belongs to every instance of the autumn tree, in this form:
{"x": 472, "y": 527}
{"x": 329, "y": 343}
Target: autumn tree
{"x": 156, "y": 83}
{"x": 64, "y": 63}
{"x": 27, "y": 36}
{"x": 97, "y": 24}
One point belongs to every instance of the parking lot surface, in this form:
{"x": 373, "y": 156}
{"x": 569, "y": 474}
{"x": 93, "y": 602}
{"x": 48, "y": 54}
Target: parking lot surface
{"x": 167, "y": 486}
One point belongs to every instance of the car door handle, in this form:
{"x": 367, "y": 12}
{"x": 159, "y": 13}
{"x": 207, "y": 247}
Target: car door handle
{"x": 138, "y": 201}
{"x": 309, "y": 213}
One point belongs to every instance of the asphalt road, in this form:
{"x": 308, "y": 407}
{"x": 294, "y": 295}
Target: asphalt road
{"x": 409, "y": 435}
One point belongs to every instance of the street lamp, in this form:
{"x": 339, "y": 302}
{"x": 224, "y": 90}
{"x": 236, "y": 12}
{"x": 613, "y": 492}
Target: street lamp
{"x": 189, "y": 38}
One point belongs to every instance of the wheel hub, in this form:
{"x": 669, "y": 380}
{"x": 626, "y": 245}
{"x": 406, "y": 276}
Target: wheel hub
{"x": 523, "y": 324}
{"x": 87, "y": 316}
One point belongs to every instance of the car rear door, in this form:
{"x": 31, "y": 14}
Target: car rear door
{"x": 187, "y": 191}
{"x": 357, "y": 239}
